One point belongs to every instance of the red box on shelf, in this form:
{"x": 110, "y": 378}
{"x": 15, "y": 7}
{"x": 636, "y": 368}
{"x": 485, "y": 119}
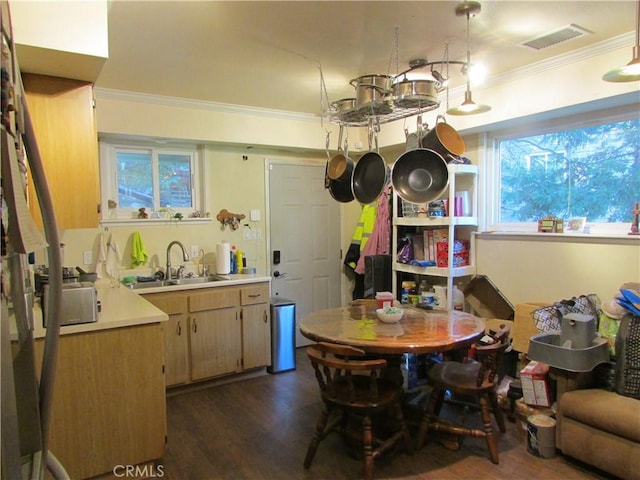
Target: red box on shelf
{"x": 460, "y": 253}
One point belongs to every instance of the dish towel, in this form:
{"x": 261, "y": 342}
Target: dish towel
{"x": 138, "y": 252}
{"x": 101, "y": 259}
{"x": 113, "y": 258}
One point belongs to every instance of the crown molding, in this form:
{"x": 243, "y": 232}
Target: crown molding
{"x": 178, "y": 102}
{"x": 606, "y": 46}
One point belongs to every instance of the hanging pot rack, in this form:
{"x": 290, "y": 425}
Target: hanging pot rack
{"x": 384, "y": 105}
{"x": 346, "y": 112}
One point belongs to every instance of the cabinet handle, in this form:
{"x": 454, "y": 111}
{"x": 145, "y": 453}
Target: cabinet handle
{"x": 255, "y": 295}
{"x": 264, "y": 316}
{"x": 179, "y": 327}
{"x": 195, "y": 326}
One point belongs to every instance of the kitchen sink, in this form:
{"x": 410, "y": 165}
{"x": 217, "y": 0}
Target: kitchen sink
{"x": 192, "y": 280}
{"x": 176, "y": 281}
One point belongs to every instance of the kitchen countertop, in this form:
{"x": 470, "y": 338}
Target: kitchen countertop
{"x": 124, "y": 307}
{"x": 232, "y": 280}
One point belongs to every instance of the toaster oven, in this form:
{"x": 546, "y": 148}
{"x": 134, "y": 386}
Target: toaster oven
{"x": 79, "y": 304}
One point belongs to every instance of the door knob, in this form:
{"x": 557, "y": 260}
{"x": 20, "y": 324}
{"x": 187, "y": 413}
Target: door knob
{"x": 277, "y": 274}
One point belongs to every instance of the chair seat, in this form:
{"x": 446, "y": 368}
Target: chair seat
{"x": 463, "y": 377}
{"x": 351, "y": 385}
{"x": 477, "y": 378}
{"x": 388, "y": 393}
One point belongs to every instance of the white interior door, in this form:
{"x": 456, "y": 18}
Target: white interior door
{"x": 304, "y": 232}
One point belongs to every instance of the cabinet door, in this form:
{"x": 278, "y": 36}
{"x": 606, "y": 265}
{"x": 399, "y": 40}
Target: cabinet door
{"x": 176, "y": 348}
{"x": 215, "y": 342}
{"x": 176, "y": 339}
{"x": 256, "y": 347}
{"x": 64, "y": 122}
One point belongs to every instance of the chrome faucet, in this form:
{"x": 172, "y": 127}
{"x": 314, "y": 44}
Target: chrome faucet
{"x": 185, "y": 257}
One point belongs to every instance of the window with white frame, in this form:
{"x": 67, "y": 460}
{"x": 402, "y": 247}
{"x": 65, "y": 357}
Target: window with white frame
{"x": 578, "y": 167}
{"x": 165, "y": 181}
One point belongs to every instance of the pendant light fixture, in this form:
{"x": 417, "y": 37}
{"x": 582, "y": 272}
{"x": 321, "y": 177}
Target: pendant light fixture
{"x": 631, "y": 71}
{"x": 468, "y": 107}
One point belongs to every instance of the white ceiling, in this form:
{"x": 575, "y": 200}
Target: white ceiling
{"x": 270, "y": 54}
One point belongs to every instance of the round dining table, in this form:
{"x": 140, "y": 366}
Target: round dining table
{"x": 418, "y": 331}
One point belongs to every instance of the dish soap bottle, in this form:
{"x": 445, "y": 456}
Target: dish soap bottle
{"x": 239, "y": 256}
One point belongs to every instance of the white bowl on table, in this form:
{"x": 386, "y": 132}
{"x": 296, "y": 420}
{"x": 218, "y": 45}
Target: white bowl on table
{"x": 390, "y": 315}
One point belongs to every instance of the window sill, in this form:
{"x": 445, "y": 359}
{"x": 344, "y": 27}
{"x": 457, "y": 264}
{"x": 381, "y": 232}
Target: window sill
{"x": 602, "y": 238}
{"x": 123, "y": 222}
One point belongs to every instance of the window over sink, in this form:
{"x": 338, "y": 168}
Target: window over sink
{"x": 165, "y": 181}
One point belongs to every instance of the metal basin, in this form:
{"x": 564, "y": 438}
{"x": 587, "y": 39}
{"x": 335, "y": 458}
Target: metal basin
{"x": 192, "y": 280}
{"x": 176, "y": 281}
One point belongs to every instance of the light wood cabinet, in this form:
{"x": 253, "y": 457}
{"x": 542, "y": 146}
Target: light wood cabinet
{"x": 109, "y": 402}
{"x": 256, "y": 347}
{"x": 256, "y": 343}
{"x": 215, "y": 342}
{"x": 176, "y": 336}
{"x": 63, "y": 118}
{"x": 214, "y": 332}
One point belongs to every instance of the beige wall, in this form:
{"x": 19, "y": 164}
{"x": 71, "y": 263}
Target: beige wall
{"x": 239, "y": 185}
{"x": 232, "y": 183}
{"x": 530, "y": 270}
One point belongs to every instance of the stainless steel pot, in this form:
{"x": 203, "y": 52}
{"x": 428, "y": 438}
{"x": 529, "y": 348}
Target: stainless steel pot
{"x": 373, "y": 93}
{"x": 420, "y": 176}
{"x": 344, "y": 108}
{"x": 444, "y": 139}
{"x": 415, "y": 94}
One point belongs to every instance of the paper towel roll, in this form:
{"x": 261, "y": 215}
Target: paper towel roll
{"x": 223, "y": 257}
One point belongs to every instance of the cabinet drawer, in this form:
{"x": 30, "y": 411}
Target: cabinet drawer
{"x": 221, "y": 297}
{"x": 169, "y": 303}
{"x": 254, "y": 294}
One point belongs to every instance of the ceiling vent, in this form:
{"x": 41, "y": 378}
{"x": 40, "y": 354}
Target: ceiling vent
{"x": 568, "y": 32}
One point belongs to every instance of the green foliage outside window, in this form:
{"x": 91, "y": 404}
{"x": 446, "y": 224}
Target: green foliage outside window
{"x": 591, "y": 172}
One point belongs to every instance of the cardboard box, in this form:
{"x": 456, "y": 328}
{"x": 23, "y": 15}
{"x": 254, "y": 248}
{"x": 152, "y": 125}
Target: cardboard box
{"x": 486, "y": 300}
{"x": 535, "y": 384}
{"x": 524, "y": 327}
{"x": 460, "y": 253}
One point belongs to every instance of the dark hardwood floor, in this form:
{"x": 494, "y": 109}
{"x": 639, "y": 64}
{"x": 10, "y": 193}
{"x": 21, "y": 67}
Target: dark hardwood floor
{"x": 260, "y": 429}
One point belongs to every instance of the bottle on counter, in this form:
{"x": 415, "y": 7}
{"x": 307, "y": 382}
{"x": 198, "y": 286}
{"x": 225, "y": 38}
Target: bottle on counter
{"x": 239, "y": 255}
{"x": 234, "y": 260}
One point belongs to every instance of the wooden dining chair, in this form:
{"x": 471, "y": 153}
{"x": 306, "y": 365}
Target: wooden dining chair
{"x": 476, "y": 379}
{"x": 351, "y": 388}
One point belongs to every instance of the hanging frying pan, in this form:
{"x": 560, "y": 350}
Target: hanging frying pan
{"x": 444, "y": 139}
{"x": 340, "y": 165}
{"x": 420, "y": 176}
{"x": 371, "y": 174}
{"x": 339, "y": 173}
{"x": 413, "y": 139}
